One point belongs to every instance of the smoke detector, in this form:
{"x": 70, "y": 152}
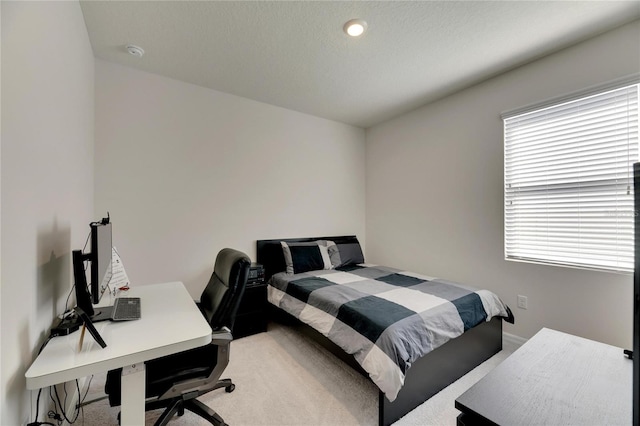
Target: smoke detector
{"x": 135, "y": 50}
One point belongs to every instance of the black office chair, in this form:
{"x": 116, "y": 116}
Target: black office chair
{"x": 175, "y": 381}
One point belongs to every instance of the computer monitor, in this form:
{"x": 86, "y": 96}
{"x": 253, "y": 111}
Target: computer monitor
{"x": 101, "y": 267}
{"x": 101, "y": 256}
{"x": 83, "y": 297}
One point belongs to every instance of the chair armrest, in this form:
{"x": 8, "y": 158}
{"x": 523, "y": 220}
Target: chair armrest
{"x": 221, "y": 337}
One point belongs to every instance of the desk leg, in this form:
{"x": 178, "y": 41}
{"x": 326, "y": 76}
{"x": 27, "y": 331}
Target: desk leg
{"x": 133, "y": 391}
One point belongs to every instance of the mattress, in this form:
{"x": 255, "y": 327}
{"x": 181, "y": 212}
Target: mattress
{"x": 385, "y": 317}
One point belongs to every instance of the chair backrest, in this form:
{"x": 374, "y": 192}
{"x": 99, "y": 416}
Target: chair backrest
{"x": 221, "y": 297}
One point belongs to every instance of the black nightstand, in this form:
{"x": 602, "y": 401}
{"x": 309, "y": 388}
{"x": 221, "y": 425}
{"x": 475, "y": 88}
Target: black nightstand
{"x": 252, "y": 312}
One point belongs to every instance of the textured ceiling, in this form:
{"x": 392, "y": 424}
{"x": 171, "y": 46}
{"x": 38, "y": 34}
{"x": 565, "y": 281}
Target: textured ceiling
{"x": 294, "y": 54}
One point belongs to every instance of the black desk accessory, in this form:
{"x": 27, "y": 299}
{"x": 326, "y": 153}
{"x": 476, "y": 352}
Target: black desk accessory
{"x": 89, "y": 325}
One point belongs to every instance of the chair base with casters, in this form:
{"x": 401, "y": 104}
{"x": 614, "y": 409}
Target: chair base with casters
{"x": 174, "y": 382}
{"x": 189, "y": 402}
{"x": 177, "y": 392}
{"x": 182, "y": 396}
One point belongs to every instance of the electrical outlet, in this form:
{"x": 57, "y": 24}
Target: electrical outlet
{"x": 522, "y": 302}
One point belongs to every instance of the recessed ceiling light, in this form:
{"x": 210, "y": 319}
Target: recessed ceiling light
{"x": 135, "y": 50}
{"x": 355, "y": 27}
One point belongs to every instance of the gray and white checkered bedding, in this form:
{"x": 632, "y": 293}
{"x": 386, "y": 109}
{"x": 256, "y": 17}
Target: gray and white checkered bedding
{"x": 386, "y": 318}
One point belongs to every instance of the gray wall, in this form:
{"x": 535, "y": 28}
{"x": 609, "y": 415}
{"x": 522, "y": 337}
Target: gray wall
{"x": 186, "y": 171}
{"x": 435, "y": 194}
{"x": 46, "y": 175}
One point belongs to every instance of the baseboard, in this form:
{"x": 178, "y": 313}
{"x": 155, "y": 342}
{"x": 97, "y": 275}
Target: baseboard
{"x": 513, "y": 339}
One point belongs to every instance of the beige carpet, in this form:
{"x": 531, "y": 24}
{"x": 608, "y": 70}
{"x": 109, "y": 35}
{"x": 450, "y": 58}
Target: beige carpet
{"x": 283, "y": 378}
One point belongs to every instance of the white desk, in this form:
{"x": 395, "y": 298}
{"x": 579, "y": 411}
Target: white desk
{"x": 171, "y": 322}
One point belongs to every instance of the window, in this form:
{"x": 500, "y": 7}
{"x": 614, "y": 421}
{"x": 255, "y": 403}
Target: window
{"x": 569, "y": 181}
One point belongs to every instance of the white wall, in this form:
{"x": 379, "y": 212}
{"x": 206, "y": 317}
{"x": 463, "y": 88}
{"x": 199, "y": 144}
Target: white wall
{"x": 47, "y": 178}
{"x": 435, "y": 194}
{"x": 186, "y": 171}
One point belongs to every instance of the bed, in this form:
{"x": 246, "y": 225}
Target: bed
{"x": 411, "y": 334}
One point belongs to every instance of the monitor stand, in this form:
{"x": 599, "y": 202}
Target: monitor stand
{"x": 101, "y": 313}
{"x": 89, "y": 326}
{"x": 70, "y": 324}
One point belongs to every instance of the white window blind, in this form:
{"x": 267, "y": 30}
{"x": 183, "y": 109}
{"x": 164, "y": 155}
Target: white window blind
{"x": 569, "y": 181}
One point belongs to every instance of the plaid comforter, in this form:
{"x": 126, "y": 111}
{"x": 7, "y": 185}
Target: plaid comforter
{"x": 386, "y": 318}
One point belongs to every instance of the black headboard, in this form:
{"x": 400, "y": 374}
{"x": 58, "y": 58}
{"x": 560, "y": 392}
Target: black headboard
{"x": 269, "y": 252}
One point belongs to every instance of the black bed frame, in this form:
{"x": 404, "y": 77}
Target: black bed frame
{"x": 428, "y": 375}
